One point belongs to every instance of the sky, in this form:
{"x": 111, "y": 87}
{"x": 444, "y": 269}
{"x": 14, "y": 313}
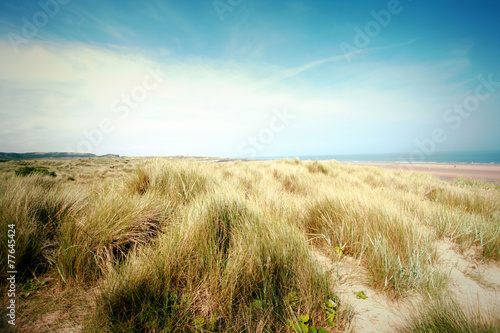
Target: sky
{"x": 249, "y": 78}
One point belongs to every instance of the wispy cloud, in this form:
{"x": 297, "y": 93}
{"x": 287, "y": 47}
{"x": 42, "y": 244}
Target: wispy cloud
{"x": 291, "y": 72}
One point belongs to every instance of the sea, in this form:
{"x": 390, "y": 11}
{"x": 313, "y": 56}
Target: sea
{"x": 456, "y": 157}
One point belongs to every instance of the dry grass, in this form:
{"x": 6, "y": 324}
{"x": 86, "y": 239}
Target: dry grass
{"x": 224, "y": 247}
{"x": 446, "y": 315}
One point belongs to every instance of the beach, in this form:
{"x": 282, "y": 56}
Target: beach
{"x": 487, "y": 172}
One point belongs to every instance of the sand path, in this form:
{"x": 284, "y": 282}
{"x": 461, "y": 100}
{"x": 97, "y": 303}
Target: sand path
{"x": 475, "y": 286}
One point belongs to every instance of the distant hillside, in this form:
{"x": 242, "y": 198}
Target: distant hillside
{"x": 25, "y": 156}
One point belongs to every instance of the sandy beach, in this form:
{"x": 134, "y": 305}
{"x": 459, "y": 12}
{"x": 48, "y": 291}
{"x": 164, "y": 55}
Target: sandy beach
{"x": 487, "y": 172}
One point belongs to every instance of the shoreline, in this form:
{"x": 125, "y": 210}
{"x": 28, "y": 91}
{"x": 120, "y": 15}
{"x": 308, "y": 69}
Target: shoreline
{"x": 446, "y": 171}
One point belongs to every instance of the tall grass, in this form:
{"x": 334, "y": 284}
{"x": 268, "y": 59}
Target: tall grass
{"x": 179, "y": 182}
{"x": 398, "y": 255}
{"x": 114, "y": 223}
{"x": 467, "y": 215}
{"x": 446, "y": 315}
{"x": 36, "y": 206}
{"x": 224, "y": 267}
{"x": 185, "y": 246}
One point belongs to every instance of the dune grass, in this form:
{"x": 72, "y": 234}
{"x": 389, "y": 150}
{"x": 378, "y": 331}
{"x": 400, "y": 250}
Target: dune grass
{"x": 446, "y": 315}
{"x": 399, "y": 256}
{"x": 112, "y": 223}
{"x": 180, "y": 245}
{"x": 222, "y": 268}
{"x": 36, "y": 206}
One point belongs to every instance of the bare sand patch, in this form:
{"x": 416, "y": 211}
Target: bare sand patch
{"x": 375, "y": 313}
{"x": 474, "y": 284}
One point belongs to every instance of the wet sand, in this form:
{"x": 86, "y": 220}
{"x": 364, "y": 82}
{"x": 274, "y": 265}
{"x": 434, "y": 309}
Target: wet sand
{"x": 488, "y": 172}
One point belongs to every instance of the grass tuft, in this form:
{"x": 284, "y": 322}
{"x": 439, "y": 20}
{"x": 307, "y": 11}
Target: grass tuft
{"x": 35, "y": 206}
{"x": 179, "y": 182}
{"x": 446, "y": 315}
{"x": 114, "y": 224}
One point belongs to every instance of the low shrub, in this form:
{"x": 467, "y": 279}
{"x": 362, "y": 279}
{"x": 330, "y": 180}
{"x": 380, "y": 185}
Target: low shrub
{"x": 27, "y": 171}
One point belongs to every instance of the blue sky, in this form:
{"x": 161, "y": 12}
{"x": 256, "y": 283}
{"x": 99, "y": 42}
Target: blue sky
{"x": 246, "y": 78}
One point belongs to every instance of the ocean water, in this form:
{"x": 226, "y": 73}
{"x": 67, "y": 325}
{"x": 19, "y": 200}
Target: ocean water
{"x": 458, "y": 157}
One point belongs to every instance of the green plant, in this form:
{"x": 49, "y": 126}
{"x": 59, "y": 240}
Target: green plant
{"x": 198, "y": 322}
{"x": 31, "y": 285}
{"x": 331, "y": 310}
{"x": 339, "y": 251}
{"x": 301, "y": 325}
{"x": 361, "y": 295}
